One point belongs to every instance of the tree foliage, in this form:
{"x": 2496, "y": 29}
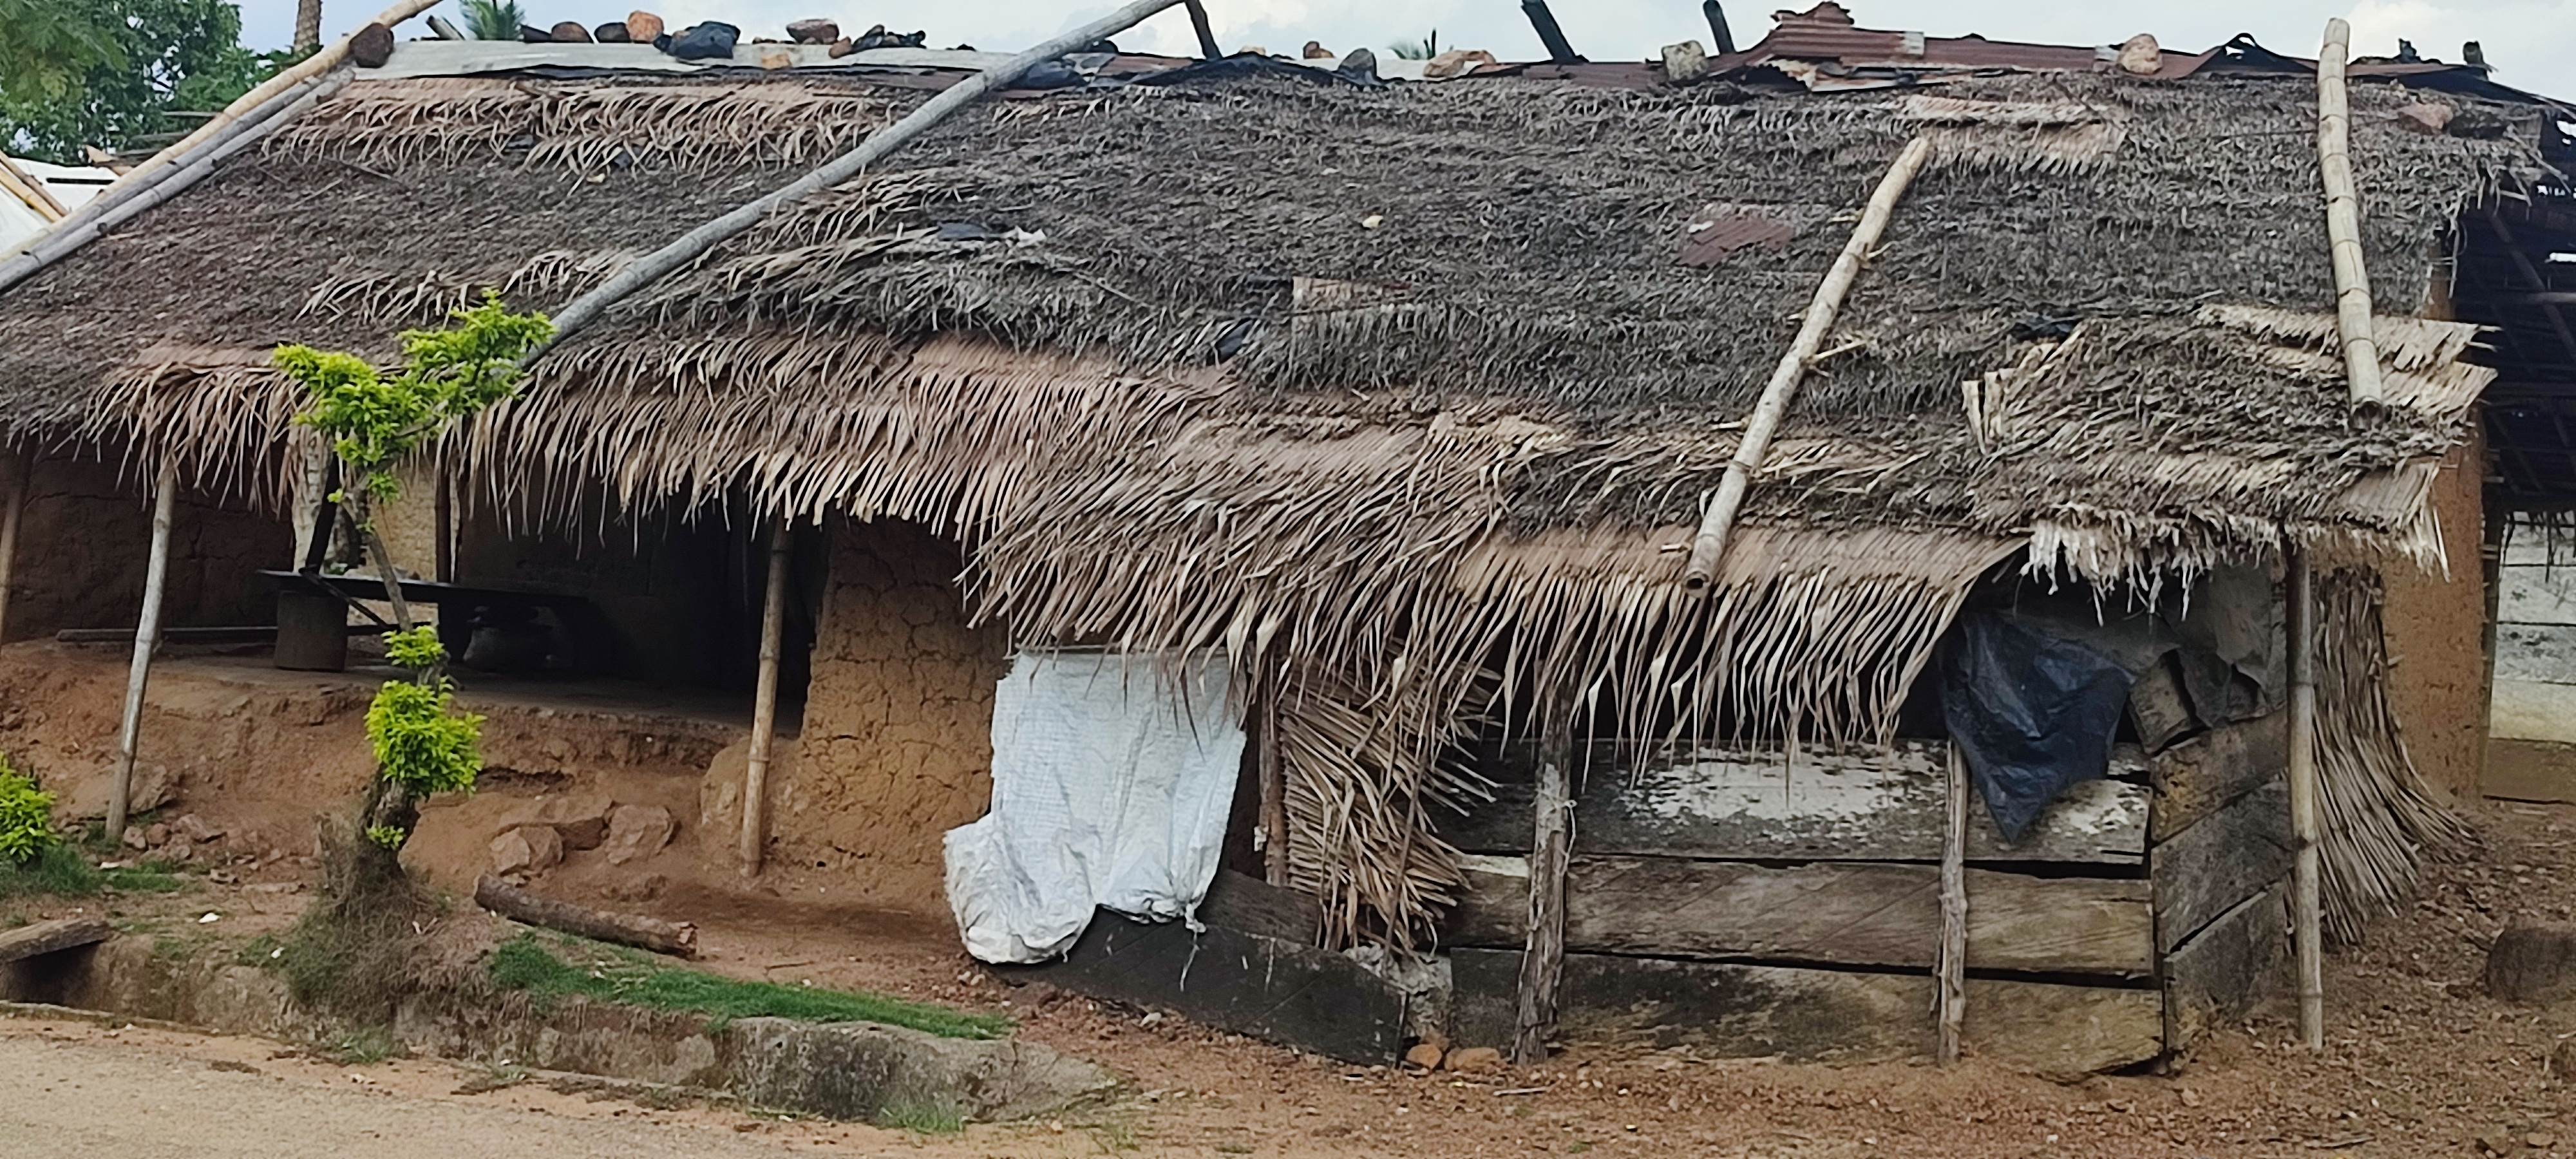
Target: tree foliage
{"x": 373, "y": 422}
{"x": 493, "y": 19}
{"x": 118, "y": 73}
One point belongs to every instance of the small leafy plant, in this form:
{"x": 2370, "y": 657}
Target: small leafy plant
{"x": 422, "y": 744}
{"x": 26, "y": 817}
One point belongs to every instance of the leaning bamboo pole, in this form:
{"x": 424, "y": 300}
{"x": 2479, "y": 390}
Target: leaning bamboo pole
{"x": 690, "y": 246}
{"x": 2307, "y": 896}
{"x": 147, "y": 635}
{"x": 26, "y": 187}
{"x": 2343, "y": 216}
{"x": 80, "y": 229}
{"x": 1709, "y": 546}
{"x": 764, "y": 701}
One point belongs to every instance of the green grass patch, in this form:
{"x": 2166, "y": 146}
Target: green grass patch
{"x": 58, "y": 870}
{"x": 922, "y": 1118}
{"x": 614, "y": 974}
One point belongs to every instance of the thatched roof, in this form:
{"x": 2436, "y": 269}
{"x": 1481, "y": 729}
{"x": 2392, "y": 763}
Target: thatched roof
{"x": 1405, "y": 391}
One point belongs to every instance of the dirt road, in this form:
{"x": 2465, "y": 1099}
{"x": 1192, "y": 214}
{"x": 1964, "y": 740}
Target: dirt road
{"x": 77, "y": 1092}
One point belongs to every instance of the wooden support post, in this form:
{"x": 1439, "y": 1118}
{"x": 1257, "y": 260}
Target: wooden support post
{"x": 2307, "y": 899}
{"x": 1274, "y": 785}
{"x": 1709, "y": 546}
{"x": 147, "y": 635}
{"x": 1207, "y": 35}
{"x": 443, "y": 513}
{"x": 764, "y": 700}
{"x": 1551, "y": 852}
{"x": 1951, "y": 995}
{"x": 22, "y": 479}
{"x": 2343, "y": 216}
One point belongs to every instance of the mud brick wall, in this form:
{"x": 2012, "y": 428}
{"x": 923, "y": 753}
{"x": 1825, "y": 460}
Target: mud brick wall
{"x": 896, "y": 747}
{"x": 85, "y": 538}
{"x": 2435, "y": 624}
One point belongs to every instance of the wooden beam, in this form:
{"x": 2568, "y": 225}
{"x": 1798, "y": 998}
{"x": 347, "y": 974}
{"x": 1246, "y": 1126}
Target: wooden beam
{"x": 2531, "y": 273}
{"x": 54, "y": 936}
{"x": 22, "y": 478}
{"x": 1274, "y": 782}
{"x": 1708, "y": 547}
{"x": 147, "y": 636}
{"x": 2343, "y": 216}
{"x": 764, "y": 700}
{"x": 694, "y": 244}
{"x": 1206, "y": 34}
{"x": 2237, "y": 852}
{"x": 1551, "y": 848}
{"x": 1840, "y": 913}
{"x": 1952, "y": 991}
{"x": 28, "y": 189}
{"x": 676, "y": 938}
{"x": 2307, "y": 899}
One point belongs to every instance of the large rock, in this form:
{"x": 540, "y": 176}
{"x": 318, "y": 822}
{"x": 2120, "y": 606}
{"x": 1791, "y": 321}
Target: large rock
{"x": 814, "y": 31}
{"x": 637, "y": 831}
{"x": 2533, "y": 961}
{"x": 582, "y": 818}
{"x": 525, "y": 850}
{"x": 2140, "y": 55}
{"x": 859, "y": 1070}
{"x": 569, "y": 32}
{"x": 642, "y": 26}
{"x": 371, "y": 46}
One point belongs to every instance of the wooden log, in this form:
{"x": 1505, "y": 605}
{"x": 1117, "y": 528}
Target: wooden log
{"x": 2232, "y": 964}
{"x": 1746, "y": 1011}
{"x": 1206, "y": 34}
{"x": 692, "y": 245}
{"x": 1709, "y": 545}
{"x": 2343, "y": 216}
{"x": 53, "y": 936}
{"x": 1274, "y": 784}
{"x": 1886, "y": 805}
{"x": 1280, "y": 991}
{"x": 1951, "y": 968}
{"x": 1552, "y": 845}
{"x": 147, "y": 636}
{"x": 2198, "y": 776}
{"x": 764, "y": 701}
{"x": 22, "y": 479}
{"x": 2240, "y": 851}
{"x": 2306, "y": 897}
{"x": 516, "y": 904}
{"x": 1840, "y": 913}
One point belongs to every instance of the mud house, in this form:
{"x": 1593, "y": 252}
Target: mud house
{"x": 1403, "y": 402}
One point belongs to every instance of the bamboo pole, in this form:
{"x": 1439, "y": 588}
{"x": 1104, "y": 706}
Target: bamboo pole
{"x": 764, "y": 701}
{"x": 1274, "y": 786}
{"x": 147, "y": 636}
{"x": 1952, "y": 995}
{"x": 22, "y": 479}
{"x": 695, "y": 243}
{"x": 2343, "y": 216}
{"x": 1543, "y": 957}
{"x": 2307, "y": 899}
{"x": 28, "y": 188}
{"x": 1709, "y": 546}
{"x": 81, "y": 228}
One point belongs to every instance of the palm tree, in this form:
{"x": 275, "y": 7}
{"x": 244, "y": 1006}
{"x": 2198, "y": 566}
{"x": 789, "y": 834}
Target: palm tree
{"x": 494, "y": 19}
{"x": 1418, "y": 50}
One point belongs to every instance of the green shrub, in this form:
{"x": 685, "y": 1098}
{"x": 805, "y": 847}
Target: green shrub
{"x": 419, "y": 743}
{"x": 26, "y": 817}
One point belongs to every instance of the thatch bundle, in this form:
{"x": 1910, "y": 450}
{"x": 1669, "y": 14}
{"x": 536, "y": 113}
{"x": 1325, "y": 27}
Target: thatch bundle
{"x": 1402, "y": 397}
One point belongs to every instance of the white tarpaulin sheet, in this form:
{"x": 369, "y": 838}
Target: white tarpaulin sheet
{"x": 1112, "y": 780}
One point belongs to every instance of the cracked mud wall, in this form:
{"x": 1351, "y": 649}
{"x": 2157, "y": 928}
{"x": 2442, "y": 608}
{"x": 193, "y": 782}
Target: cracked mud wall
{"x": 84, "y": 539}
{"x": 2435, "y": 625}
{"x": 896, "y": 746}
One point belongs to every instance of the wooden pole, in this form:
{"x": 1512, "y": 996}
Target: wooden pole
{"x": 695, "y": 243}
{"x": 2343, "y": 216}
{"x": 1953, "y": 993}
{"x": 1207, "y": 34}
{"x": 1709, "y": 546}
{"x": 1543, "y": 960}
{"x": 28, "y": 188}
{"x": 2307, "y": 904}
{"x": 22, "y": 479}
{"x": 443, "y": 513}
{"x": 147, "y": 635}
{"x": 764, "y": 700}
{"x": 1274, "y": 787}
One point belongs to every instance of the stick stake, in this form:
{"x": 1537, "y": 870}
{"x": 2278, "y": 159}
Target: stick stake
{"x": 653, "y": 266}
{"x": 1952, "y": 996}
{"x": 764, "y": 701}
{"x": 2343, "y": 216}
{"x": 2303, "y": 801}
{"x": 1543, "y": 961}
{"x": 1709, "y": 546}
{"x": 147, "y": 635}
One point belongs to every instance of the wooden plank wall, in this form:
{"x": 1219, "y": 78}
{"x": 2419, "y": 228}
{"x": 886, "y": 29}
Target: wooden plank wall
{"x": 1742, "y": 904}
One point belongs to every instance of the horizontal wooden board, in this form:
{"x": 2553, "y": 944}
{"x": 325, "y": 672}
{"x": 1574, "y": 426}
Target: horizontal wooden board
{"x": 1846, "y": 913}
{"x": 2236, "y": 852}
{"x": 2232, "y": 963}
{"x": 2195, "y": 777}
{"x": 1878, "y": 805}
{"x": 1740, "y": 1011}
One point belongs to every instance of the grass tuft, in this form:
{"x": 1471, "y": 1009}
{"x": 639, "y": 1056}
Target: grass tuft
{"x": 614, "y": 974}
{"x": 58, "y": 870}
{"x": 922, "y": 1118}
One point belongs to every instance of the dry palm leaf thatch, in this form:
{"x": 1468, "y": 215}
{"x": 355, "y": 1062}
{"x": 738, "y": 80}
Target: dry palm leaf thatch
{"x": 2379, "y": 821}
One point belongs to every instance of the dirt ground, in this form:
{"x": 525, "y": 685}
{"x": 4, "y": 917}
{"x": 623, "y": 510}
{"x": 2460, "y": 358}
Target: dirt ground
{"x": 2419, "y": 1063}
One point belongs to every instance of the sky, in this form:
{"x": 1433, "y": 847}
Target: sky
{"x": 2531, "y": 43}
